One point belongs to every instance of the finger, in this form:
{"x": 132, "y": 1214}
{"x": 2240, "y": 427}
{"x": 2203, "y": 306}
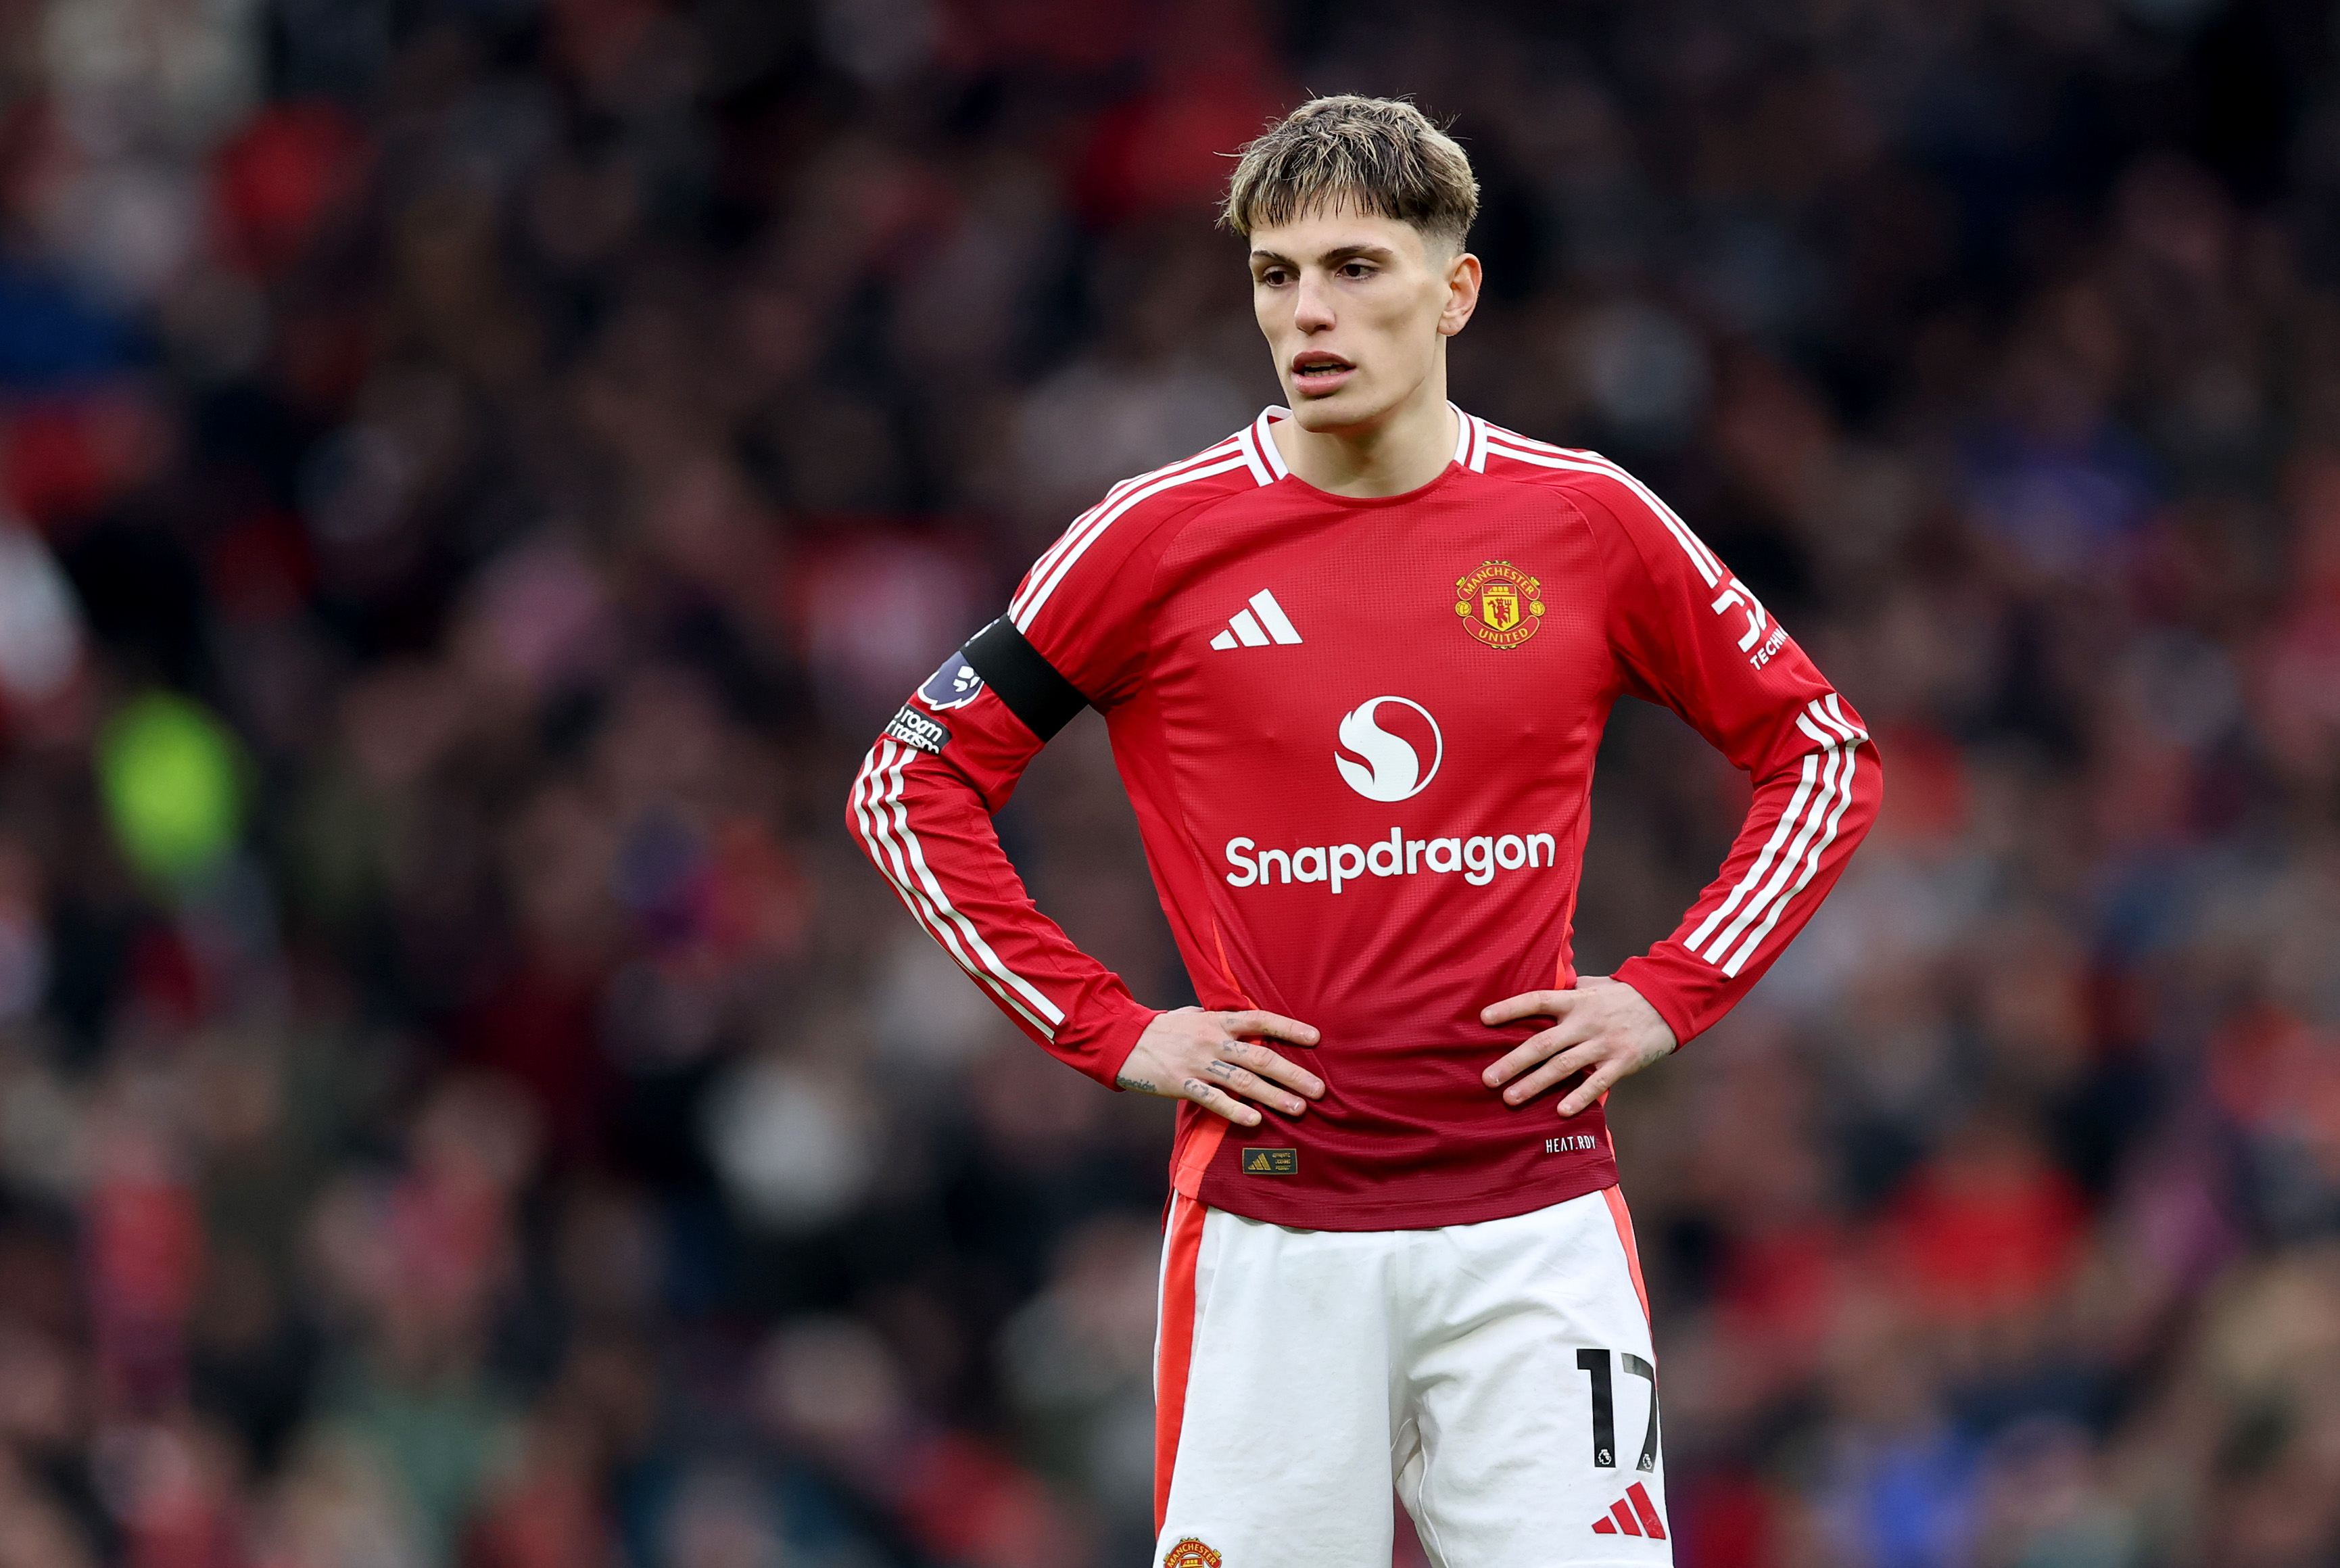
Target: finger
{"x": 1235, "y": 1080}
{"x": 1527, "y": 1005}
{"x": 1268, "y": 1065}
{"x": 1254, "y": 1024}
{"x": 1587, "y": 1094}
{"x": 1557, "y": 1070}
{"x": 1219, "y": 1101}
{"x": 1536, "y": 1049}
{"x": 1523, "y": 1056}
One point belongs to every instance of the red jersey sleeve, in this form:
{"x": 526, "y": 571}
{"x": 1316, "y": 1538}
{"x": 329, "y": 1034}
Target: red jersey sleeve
{"x": 921, "y": 808}
{"x": 1691, "y": 635}
{"x": 1085, "y": 604}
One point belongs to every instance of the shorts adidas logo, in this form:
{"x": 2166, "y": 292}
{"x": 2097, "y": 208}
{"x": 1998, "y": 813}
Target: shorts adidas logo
{"x": 1245, "y": 630}
{"x": 1631, "y": 1515}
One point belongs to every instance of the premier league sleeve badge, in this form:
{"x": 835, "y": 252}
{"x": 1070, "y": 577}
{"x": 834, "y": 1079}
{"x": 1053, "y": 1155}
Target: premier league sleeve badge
{"x": 954, "y": 685}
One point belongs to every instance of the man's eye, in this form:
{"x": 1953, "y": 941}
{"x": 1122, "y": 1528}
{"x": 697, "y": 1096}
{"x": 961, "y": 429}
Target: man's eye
{"x": 1356, "y": 270}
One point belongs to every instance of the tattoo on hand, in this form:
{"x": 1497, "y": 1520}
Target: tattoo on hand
{"x": 1225, "y": 1070}
{"x": 1142, "y": 1085}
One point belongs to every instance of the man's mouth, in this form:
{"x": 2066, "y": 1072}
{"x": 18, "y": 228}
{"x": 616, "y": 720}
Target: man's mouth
{"x": 1317, "y": 372}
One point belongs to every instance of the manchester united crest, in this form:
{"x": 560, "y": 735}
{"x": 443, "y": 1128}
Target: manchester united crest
{"x": 1190, "y": 1552}
{"x": 1499, "y": 604}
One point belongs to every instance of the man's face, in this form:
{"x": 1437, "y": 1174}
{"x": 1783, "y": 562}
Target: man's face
{"x": 1355, "y": 309}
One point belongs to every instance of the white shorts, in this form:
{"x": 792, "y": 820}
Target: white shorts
{"x": 1498, "y": 1374}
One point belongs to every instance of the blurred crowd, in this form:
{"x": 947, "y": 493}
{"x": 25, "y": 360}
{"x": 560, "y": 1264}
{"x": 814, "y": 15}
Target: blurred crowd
{"x": 477, "y": 472}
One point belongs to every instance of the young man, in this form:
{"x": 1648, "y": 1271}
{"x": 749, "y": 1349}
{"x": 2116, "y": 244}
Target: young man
{"x": 1355, "y": 660}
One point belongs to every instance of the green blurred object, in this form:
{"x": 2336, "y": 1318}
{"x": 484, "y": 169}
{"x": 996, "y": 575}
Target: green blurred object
{"x": 169, "y": 771}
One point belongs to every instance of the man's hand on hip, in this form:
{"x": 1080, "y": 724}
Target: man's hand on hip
{"x": 1211, "y": 1057}
{"x": 1603, "y": 1027}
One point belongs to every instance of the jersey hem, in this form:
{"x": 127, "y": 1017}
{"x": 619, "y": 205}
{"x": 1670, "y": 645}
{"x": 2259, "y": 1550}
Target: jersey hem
{"x": 1316, "y": 1212}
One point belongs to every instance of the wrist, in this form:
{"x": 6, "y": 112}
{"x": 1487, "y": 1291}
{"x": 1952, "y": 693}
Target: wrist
{"x": 1124, "y": 1047}
{"x": 1642, "y": 978}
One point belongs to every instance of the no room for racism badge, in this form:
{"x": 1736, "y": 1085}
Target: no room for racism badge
{"x": 1499, "y": 605}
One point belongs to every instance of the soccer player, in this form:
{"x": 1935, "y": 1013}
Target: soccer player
{"x": 1355, "y": 660}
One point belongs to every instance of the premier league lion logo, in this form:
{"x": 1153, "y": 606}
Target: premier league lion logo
{"x": 954, "y": 685}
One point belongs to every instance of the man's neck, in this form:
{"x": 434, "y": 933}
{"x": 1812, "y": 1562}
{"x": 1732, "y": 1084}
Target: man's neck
{"x": 1403, "y": 452}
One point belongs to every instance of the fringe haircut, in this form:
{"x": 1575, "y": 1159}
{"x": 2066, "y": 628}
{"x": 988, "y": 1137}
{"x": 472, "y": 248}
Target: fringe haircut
{"x": 1376, "y": 156}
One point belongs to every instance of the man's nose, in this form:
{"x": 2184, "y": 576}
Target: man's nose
{"x": 1312, "y": 311}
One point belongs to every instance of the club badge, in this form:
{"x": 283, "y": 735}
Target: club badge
{"x": 1499, "y": 604}
{"x": 1190, "y": 1552}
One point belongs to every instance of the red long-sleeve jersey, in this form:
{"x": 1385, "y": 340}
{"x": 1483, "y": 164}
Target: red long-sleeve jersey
{"x": 1359, "y": 736}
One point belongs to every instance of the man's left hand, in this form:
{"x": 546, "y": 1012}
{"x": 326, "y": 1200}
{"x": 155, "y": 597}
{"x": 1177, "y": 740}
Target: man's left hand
{"x": 1604, "y": 1025}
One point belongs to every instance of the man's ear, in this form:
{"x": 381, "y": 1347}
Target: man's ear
{"x": 1462, "y": 280}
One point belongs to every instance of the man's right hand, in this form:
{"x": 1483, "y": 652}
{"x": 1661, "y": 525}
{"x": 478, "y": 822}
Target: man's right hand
{"x": 1211, "y": 1057}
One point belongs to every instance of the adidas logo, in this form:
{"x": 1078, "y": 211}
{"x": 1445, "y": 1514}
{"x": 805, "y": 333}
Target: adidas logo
{"x": 1631, "y": 1515}
{"x": 1245, "y": 631}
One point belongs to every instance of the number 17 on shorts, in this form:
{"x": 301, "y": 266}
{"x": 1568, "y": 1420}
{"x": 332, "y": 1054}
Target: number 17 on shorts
{"x": 1634, "y": 1512}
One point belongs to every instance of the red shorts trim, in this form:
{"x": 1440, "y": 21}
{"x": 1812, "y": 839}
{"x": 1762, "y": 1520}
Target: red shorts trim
{"x": 1177, "y": 1350}
{"x": 1617, "y": 1212}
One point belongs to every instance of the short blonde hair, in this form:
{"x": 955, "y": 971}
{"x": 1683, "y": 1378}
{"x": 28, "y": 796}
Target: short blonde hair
{"x": 1381, "y": 156}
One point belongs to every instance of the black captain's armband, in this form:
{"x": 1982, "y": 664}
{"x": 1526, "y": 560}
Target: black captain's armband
{"x": 1045, "y": 700}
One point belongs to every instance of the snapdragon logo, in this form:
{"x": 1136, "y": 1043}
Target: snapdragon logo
{"x": 1392, "y": 769}
{"x": 1478, "y": 858}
